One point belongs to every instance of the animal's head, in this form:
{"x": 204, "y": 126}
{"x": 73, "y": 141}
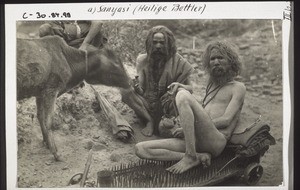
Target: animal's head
{"x": 105, "y": 67}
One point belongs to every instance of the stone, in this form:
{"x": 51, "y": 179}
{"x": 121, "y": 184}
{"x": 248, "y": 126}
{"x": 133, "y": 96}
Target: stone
{"x": 32, "y": 35}
{"x": 115, "y": 157}
{"x": 266, "y": 92}
{"x": 276, "y": 93}
{"x": 245, "y": 46}
{"x": 68, "y": 119}
{"x": 255, "y": 109}
{"x": 253, "y": 78}
{"x": 239, "y": 78}
{"x": 198, "y": 59}
{"x": 65, "y": 128}
{"x": 98, "y": 147}
{"x": 88, "y": 144}
{"x": 195, "y": 65}
{"x": 257, "y": 87}
{"x": 256, "y": 94}
{"x": 250, "y": 89}
{"x": 267, "y": 86}
{"x": 277, "y": 87}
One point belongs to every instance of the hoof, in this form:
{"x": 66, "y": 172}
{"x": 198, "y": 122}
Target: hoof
{"x": 57, "y": 157}
{"x": 45, "y": 144}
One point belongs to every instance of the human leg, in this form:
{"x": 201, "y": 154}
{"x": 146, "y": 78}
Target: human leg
{"x": 199, "y": 131}
{"x": 167, "y": 150}
{"x": 137, "y": 103}
{"x": 162, "y": 149}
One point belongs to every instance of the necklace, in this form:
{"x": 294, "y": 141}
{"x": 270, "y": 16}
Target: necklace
{"x": 209, "y": 91}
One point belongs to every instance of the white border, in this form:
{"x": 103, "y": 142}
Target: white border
{"x": 215, "y": 10}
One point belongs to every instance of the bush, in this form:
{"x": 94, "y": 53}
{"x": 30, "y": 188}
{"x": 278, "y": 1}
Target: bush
{"x": 127, "y": 38}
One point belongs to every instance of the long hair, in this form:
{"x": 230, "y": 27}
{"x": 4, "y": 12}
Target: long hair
{"x": 170, "y": 47}
{"x": 228, "y": 52}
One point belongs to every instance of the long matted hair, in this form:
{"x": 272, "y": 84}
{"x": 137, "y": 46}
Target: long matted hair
{"x": 170, "y": 47}
{"x": 228, "y": 52}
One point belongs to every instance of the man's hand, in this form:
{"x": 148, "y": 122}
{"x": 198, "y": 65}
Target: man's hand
{"x": 174, "y": 87}
{"x": 136, "y": 85}
{"x": 94, "y": 30}
{"x": 178, "y": 133}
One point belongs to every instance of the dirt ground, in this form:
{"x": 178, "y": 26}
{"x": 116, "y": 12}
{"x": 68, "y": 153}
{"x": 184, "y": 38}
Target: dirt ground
{"x": 77, "y": 127}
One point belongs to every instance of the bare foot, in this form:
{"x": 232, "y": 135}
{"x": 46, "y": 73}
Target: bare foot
{"x": 148, "y": 130}
{"x": 187, "y": 162}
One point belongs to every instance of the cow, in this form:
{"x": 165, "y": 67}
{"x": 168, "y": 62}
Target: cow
{"x": 47, "y": 67}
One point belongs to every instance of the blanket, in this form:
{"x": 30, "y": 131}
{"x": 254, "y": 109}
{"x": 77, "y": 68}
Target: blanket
{"x": 176, "y": 69}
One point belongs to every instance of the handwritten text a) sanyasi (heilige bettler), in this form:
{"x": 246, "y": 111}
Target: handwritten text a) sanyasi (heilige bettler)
{"x": 154, "y": 8}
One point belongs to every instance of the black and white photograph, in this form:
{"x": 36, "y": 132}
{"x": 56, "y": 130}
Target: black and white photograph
{"x": 148, "y": 102}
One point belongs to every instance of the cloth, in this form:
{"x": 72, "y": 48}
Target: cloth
{"x": 254, "y": 139}
{"x": 167, "y": 125}
{"x": 176, "y": 69}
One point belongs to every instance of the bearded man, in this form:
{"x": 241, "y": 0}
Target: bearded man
{"x": 160, "y": 69}
{"x": 207, "y": 126}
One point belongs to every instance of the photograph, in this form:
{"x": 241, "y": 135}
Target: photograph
{"x": 148, "y": 102}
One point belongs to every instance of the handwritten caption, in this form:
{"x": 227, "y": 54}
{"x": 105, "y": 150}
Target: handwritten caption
{"x": 287, "y": 13}
{"x": 143, "y": 8}
{"x": 39, "y": 15}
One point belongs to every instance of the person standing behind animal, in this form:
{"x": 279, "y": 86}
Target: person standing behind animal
{"x": 157, "y": 70}
{"x": 78, "y": 34}
{"x": 207, "y": 126}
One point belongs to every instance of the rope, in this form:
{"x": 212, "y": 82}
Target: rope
{"x": 208, "y": 92}
{"x": 72, "y": 182}
{"x": 237, "y": 156}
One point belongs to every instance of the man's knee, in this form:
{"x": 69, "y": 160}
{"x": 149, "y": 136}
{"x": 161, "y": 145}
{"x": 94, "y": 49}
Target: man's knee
{"x": 183, "y": 98}
{"x": 141, "y": 151}
{"x": 45, "y": 30}
{"x": 125, "y": 94}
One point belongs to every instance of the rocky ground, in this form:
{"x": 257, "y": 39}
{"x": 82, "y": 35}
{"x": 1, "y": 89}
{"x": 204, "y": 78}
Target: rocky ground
{"x": 78, "y": 127}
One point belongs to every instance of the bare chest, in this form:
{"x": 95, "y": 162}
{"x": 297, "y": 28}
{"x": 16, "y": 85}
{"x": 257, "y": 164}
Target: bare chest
{"x": 215, "y": 103}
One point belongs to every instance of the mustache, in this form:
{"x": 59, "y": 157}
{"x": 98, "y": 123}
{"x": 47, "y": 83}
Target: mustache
{"x": 158, "y": 51}
{"x": 217, "y": 68}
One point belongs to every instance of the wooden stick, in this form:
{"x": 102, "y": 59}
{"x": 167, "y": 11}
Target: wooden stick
{"x": 86, "y": 169}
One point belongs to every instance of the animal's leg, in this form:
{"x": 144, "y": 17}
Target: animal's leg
{"x": 49, "y": 102}
{"x": 40, "y": 116}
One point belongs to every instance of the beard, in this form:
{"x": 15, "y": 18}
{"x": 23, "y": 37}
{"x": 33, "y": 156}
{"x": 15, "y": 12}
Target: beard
{"x": 158, "y": 54}
{"x": 217, "y": 71}
{"x": 220, "y": 75}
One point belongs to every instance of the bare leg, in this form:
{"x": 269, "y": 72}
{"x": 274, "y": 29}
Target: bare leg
{"x": 163, "y": 149}
{"x": 166, "y": 150}
{"x": 135, "y": 101}
{"x": 196, "y": 124}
